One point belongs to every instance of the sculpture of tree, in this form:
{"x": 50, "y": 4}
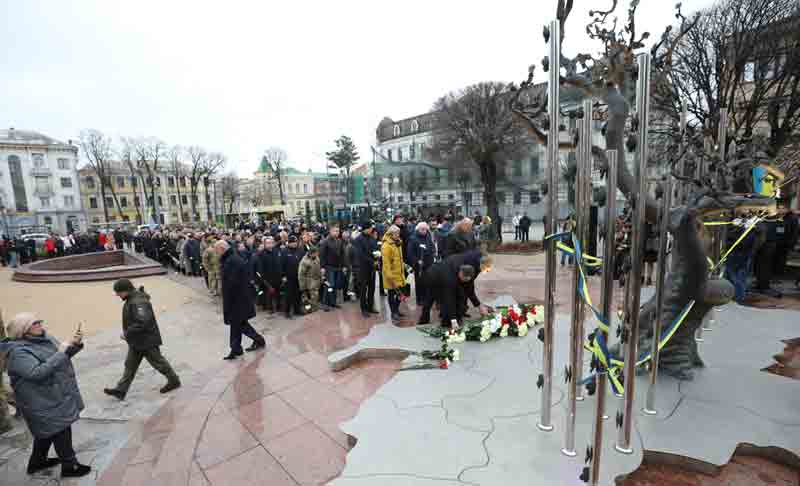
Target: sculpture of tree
{"x": 610, "y": 80}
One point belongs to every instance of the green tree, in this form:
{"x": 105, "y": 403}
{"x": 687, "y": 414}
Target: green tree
{"x": 343, "y": 159}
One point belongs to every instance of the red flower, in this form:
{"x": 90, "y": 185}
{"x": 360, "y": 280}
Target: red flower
{"x": 443, "y": 364}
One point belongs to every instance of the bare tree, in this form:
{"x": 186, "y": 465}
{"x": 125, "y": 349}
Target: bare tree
{"x": 464, "y": 179}
{"x": 413, "y": 185}
{"x": 212, "y": 165}
{"x": 231, "y": 190}
{"x": 178, "y": 171}
{"x": 475, "y": 127}
{"x": 149, "y": 152}
{"x": 99, "y": 151}
{"x": 276, "y": 161}
{"x": 127, "y": 157}
{"x": 198, "y": 161}
{"x": 743, "y": 55}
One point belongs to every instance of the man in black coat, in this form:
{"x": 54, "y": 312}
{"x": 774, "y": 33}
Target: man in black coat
{"x": 237, "y": 300}
{"x": 192, "y": 250}
{"x": 365, "y": 248}
{"x": 461, "y": 239}
{"x": 420, "y": 253}
{"x": 332, "y": 260}
{"x": 140, "y": 331}
{"x": 290, "y": 264}
{"x": 269, "y": 274}
{"x": 452, "y": 283}
{"x": 525, "y": 227}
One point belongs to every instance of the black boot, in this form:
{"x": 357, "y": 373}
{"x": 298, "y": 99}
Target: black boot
{"x": 47, "y": 464}
{"x": 118, "y": 394}
{"x": 171, "y": 385}
{"x": 74, "y": 470}
{"x": 257, "y": 345}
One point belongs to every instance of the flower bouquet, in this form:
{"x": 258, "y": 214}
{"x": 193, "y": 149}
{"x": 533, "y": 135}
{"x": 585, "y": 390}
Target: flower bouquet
{"x": 513, "y": 321}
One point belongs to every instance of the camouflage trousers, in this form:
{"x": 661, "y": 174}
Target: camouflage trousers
{"x": 310, "y": 298}
{"x": 213, "y": 282}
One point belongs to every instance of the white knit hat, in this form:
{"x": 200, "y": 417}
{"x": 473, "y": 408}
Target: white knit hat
{"x": 20, "y": 325}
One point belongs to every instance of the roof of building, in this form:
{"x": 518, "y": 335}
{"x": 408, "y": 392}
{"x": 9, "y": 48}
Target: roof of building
{"x": 12, "y": 136}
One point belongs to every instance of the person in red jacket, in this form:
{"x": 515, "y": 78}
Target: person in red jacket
{"x": 101, "y": 241}
{"x": 50, "y": 246}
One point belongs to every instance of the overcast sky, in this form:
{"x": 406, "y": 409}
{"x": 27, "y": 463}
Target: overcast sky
{"x": 241, "y": 76}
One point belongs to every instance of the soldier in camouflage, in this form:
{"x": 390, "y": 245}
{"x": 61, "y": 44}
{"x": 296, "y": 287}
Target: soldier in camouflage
{"x": 310, "y": 279}
{"x": 211, "y": 265}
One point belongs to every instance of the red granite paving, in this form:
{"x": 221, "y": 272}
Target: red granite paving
{"x": 740, "y": 471}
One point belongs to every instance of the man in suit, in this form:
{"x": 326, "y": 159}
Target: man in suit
{"x": 238, "y": 303}
{"x": 365, "y": 249}
{"x": 290, "y": 267}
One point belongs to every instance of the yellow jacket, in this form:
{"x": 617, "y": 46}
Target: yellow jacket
{"x": 392, "y": 255}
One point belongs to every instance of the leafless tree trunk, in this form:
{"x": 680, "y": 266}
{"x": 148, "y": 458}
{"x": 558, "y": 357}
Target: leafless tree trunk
{"x": 276, "y": 160}
{"x": 213, "y": 164}
{"x": 198, "y": 160}
{"x": 176, "y": 168}
{"x": 126, "y": 155}
{"x": 99, "y": 151}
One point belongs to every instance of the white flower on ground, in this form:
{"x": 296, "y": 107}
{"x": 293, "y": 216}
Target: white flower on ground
{"x": 486, "y": 333}
{"x": 504, "y": 331}
{"x": 456, "y": 355}
{"x": 538, "y": 313}
{"x": 495, "y": 324}
{"x": 522, "y": 330}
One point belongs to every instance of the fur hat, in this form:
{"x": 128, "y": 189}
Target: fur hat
{"x": 123, "y": 285}
{"x": 20, "y": 325}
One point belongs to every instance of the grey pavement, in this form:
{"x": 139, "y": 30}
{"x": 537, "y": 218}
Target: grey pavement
{"x": 475, "y": 423}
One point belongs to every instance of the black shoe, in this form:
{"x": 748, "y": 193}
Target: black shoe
{"x": 74, "y": 470}
{"x": 400, "y": 314}
{"x": 365, "y": 314}
{"x": 373, "y": 311}
{"x": 336, "y": 306}
{"x": 326, "y": 308}
{"x": 257, "y": 345}
{"x": 467, "y": 315}
{"x": 114, "y": 393}
{"x": 47, "y": 464}
{"x": 422, "y": 322}
{"x": 170, "y": 386}
{"x": 395, "y": 317}
{"x": 232, "y": 355}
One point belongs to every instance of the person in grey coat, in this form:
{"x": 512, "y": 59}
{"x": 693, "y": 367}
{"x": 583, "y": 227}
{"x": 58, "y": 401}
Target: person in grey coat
{"x": 46, "y": 391}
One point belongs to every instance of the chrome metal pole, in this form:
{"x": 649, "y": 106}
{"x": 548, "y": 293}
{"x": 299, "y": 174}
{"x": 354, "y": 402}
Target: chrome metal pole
{"x": 640, "y": 197}
{"x": 552, "y": 218}
{"x": 666, "y": 205}
{"x": 576, "y": 328}
{"x": 608, "y": 312}
{"x": 586, "y": 149}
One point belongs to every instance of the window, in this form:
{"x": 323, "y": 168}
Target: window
{"x": 63, "y": 164}
{"x": 468, "y": 197}
{"x": 437, "y": 197}
{"x": 160, "y": 201}
{"x": 107, "y": 181}
{"x": 451, "y": 196}
{"x": 400, "y": 154}
{"x": 48, "y": 221}
{"x": 421, "y": 151}
{"x": 305, "y": 188}
{"x": 412, "y": 152}
{"x": 66, "y": 182}
{"x": 95, "y": 220}
{"x": 171, "y": 181}
{"x": 93, "y": 202}
{"x": 182, "y": 181}
{"x": 134, "y": 181}
{"x": 749, "y": 72}
{"x": 500, "y": 197}
{"x": 437, "y": 176}
{"x": 69, "y": 201}
{"x": 109, "y": 202}
{"x": 149, "y": 201}
{"x": 399, "y": 198}
{"x": 517, "y": 198}
{"x": 297, "y": 188}
{"x": 90, "y": 182}
{"x": 424, "y": 198}
{"x": 42, "y": 185}
{"x": 534, "y": 167}
{"x": 414, "y": 125}
{"x": 123, "y": 202}
{"x": 45, "y": 202}
{"x": 535, "y": 198}
{"x": 38, "y": 160}
{"x": 389, "y": 155}
{"x": 173, "y": 200}
{"x": 125, "y": 217}
{"x": 136, "y": 201}
{"x": 517, "y": 168}
{"x": 396, "y": 131}
{"x": 194, "y": 200}
{"x": 120, "y": 181}
{"x": 184, "y": 199}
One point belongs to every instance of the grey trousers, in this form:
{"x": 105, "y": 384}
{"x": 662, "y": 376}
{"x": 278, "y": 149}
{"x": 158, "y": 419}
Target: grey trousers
{"x": 156, "y": 360}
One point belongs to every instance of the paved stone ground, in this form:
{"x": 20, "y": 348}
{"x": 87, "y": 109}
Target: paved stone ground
{"x": 274, "y": 417}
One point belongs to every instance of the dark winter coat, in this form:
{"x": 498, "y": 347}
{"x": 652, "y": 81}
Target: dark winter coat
{"x": 420, "y": 248}
{"x": 44, "y": 384}
{"x": 331, "y": 253}
{"x": 238, "y": 303}
{"x": 458, "y": 242}
{"x": 364, "y": 248}
{"x": 139, "y": 324}
{"x": 290, "y": 265}
{"x": 269, "y": 266}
